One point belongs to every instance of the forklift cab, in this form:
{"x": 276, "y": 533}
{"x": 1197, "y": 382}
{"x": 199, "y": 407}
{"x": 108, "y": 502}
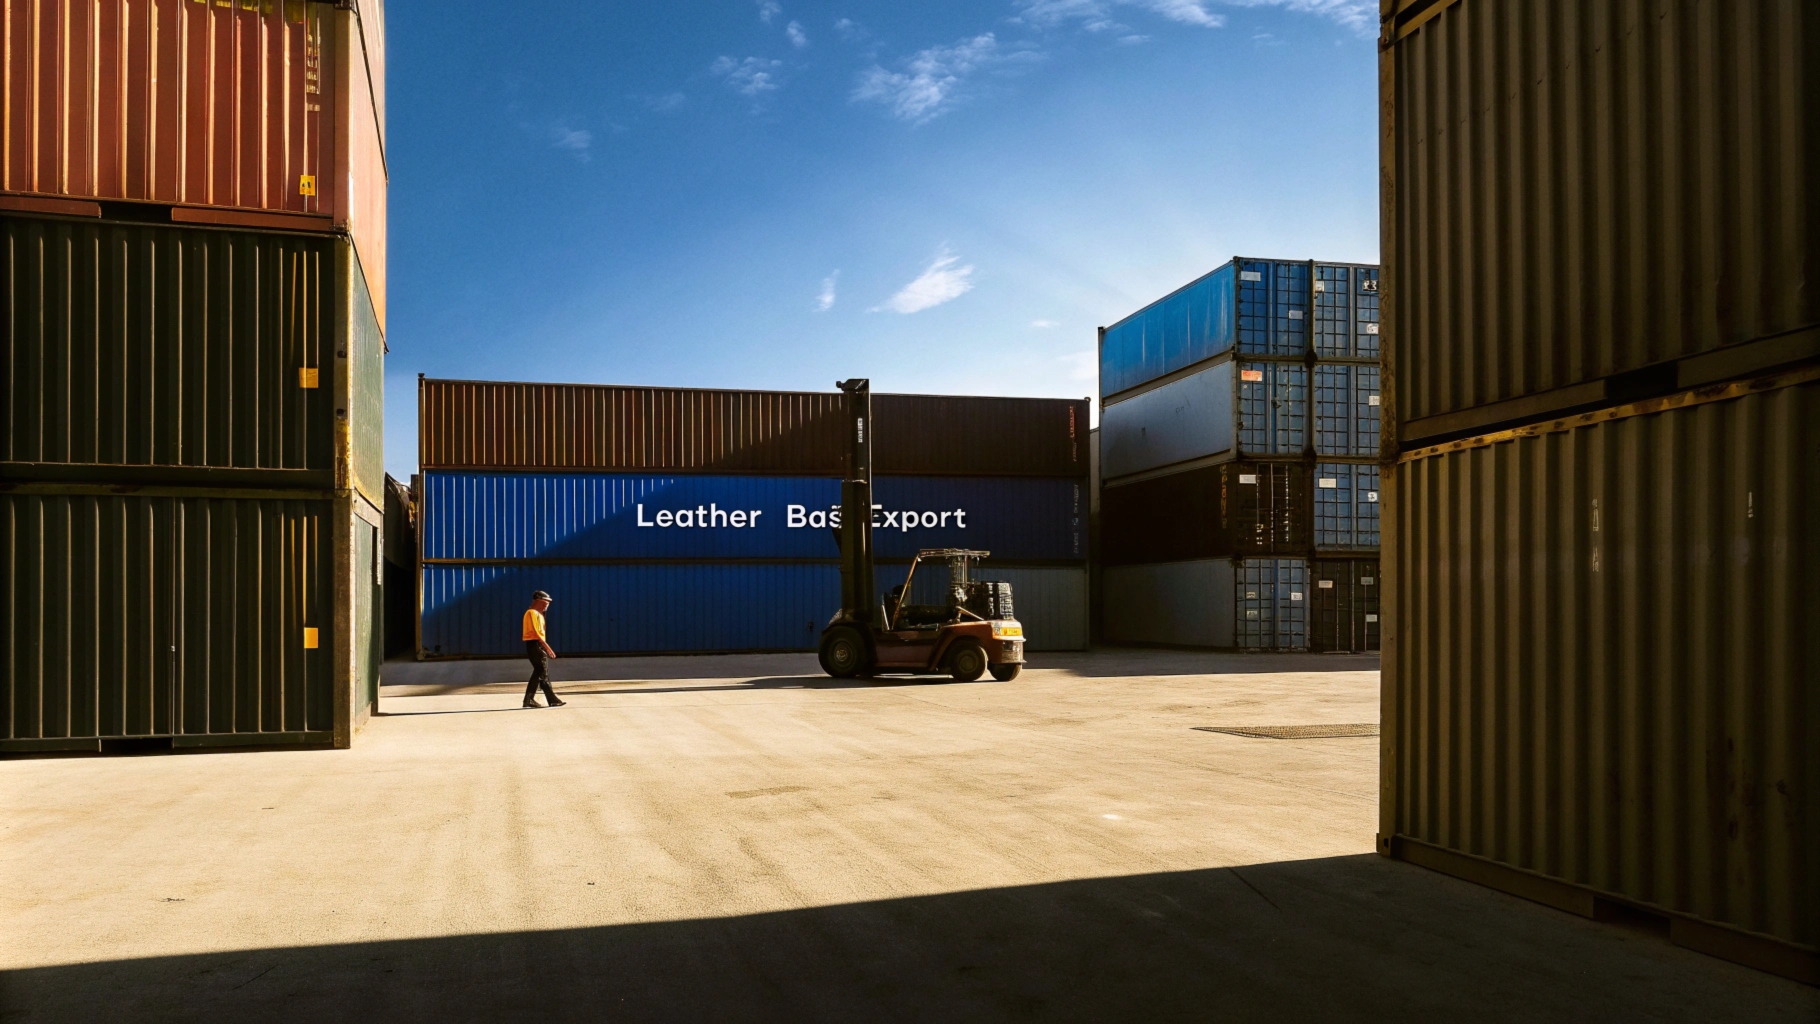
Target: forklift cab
{"x": 969, "y": 633}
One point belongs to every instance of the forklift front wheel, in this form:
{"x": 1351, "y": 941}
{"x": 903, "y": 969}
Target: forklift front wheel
{"x": 843, "y": 652}
{"x": 1006, "y": 672}
{"x": 967, "y": 662}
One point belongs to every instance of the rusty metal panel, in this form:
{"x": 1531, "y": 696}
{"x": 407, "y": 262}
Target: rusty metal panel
{"x": 1600, "y": 658}
{"x": 137, "y": 347}
{"x": 256, "y": 105}
{"x": 125, "y": 616}
{"x": 514, "y": 426}
{"x": 1577, "y": 189}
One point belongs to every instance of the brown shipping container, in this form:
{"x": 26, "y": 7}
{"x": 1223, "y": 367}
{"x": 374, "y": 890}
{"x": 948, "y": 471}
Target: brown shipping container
{"x": 1344, "y": 606}
{"x": 259, "y": 113}
{"x": 1578, "y": 191}
{"x": 1599, "y": 666}
{"x": 609, "y": 428}
{"x": 1236, "y": 510}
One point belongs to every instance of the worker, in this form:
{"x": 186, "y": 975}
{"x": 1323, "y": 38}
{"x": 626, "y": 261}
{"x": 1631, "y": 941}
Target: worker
{"x": 537, "y": 648}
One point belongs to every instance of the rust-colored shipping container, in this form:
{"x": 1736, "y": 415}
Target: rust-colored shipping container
{"x": 264, "y": 114}
{"x": 610, "y": 428}
{"x": 1578, "y": 192}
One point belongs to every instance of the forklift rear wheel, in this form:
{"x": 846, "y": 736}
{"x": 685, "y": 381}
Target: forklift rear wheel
{"x": 968, "y": 662}
{"x": 1006, "y": 672}
{"x": 843, "y": 652}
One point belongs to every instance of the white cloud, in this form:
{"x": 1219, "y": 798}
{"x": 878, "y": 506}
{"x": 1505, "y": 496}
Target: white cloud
{"x": 798, "y": 38}
{"x": 751, "y": 77}
{"x": 667, "y": 102}
{"x": 768, "y": 9}
{"x": 849, "y": 30}
{"x": 1096, "y": 15}
{"x": 930, "y": 80}
{"x": 1081, "y": 365}
{"x": 825, "y": 300}
{"x": 941, "y": 282}
{"x": 575, "y": 140}
{"x": 1040, "y": 324}
{"x": 1360, "y": 15}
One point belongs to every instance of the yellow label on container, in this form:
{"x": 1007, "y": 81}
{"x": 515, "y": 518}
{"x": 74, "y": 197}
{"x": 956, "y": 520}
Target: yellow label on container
{"x": 309, "y": 638}
{"x": 306, "y": 185}
{"x": 306, "y": 377}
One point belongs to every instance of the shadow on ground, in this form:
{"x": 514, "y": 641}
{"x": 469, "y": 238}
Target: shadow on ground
{"x": 1346, "y": 938}
{"x": 800, "y": 669}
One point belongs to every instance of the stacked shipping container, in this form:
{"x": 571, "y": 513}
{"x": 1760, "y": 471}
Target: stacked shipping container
{"x": 1239, "y": 431}
{"x": 683, "y": 520}
{"x": 190, "y": 472}
{"x": 1603, "y": 458}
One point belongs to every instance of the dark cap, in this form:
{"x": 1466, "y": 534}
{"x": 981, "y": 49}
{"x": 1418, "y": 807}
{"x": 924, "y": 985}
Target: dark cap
{"x": 541, "y": 596}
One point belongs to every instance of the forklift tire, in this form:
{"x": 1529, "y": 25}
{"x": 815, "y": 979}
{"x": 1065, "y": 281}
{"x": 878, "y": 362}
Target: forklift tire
{"x": 967, "y": 661}
{"x": 1006, "y": 672}
{"x": 843, "y": 653}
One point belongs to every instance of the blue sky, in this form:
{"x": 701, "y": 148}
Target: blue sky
{"x": 945, "y": 197}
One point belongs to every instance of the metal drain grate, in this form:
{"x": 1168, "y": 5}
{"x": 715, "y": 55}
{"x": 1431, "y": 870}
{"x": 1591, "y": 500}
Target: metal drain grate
{"x": 1293, "y": 732}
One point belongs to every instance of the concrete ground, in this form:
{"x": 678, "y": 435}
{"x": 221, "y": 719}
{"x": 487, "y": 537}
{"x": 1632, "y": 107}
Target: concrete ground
{"x": 741, "y": 838}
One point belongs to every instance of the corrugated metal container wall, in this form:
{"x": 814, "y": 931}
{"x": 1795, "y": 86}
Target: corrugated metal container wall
{"x": 1345, "y": 506}
{"x": 1244, "y": 508}
{"x": 167, "y": 347}
{"x": 1183, "y": 420}
{"x": 1192, "y": 324}
{"x": 164, "y": 617}
{"x": 1345, "y": 311}
{"x": 657, "y": 608}
{"x": 1272, "y": 599}
{"x": 1273, "y": 408}
{"x": 1600, "y": 659}
{"x": 1345, "y": 597}
{"x": 1346, "y": 409}
{"x": 366, "y": 392}
{"x": 1183, "y": 604}
{"x": 493, "y": 425}
{"x": 601, "y": 515}
{"x": 251, "y": 106}
{"x": 1582, "y": 188}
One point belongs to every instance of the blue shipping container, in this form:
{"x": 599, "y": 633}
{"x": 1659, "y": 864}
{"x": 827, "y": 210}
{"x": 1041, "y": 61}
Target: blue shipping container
{"x": 1345, "y": 506}
{"x": 474, "y": 610}
{"x": 1194, "y": 418}
{"x": 1346, "y": 409}
{"x": 1273, "y": 408}
{"x": 1345, "y": 311}
{"x": 483, "y": 515}
{"x": 1258, "y": 307}
{"x": 1272, "y": 599}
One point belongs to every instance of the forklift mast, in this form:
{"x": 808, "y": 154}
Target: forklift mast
{"x": 858, "y": 591}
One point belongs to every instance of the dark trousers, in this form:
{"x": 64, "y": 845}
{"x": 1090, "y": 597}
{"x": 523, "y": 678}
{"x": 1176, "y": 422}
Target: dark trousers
{"x": 540, "y": 672}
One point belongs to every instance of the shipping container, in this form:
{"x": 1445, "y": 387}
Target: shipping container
{"x": 516, "y": 516}
{"x": 1236, "y": 509}
{"x": 1176, "y": 604}
{"x": 1345, "y": 613}
{"x": 1346, "y": 506}
{"x": 401, "y": 554}
{"x": 1272, "y": 600}
{"x": 1251, "y": 306}
{"x": 1599, "y": 665}
{"x": 1579, "y": 193}
{"x": 1217, "y": 414}
{"x": 195, "y": 620}
{"x": 194, "y": 356}
{"x": 1347, "y": 405}
{"x": 611, "y": 428}
{"x": 669, "y": 607}
{"x": 263, "y": 115}
{"x": 1346, "y": 319}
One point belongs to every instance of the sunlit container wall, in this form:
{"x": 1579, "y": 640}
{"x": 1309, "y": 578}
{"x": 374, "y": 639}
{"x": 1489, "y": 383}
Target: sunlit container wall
{"x": 1603, "y": 460}
{"x": 263, "y": 115}
{"x": 643, "y": 497}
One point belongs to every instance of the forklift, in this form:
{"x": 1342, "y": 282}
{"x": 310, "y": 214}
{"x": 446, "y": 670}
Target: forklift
{"x": 970, "y": 633}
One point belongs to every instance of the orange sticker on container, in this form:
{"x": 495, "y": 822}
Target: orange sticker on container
{"x": 307, "y": 377}
{"x": 1251, "y": 374}
{"x": 309, "y": 638}
{"x": 306, "y": 185}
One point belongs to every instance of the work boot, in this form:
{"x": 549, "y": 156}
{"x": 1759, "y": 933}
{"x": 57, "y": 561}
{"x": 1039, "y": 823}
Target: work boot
{"x": 557, "y": 702}
{"x": 532, "y": 704}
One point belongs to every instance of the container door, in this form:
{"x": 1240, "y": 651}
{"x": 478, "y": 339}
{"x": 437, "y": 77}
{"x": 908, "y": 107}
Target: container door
{"x": 1291, "y": 590}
